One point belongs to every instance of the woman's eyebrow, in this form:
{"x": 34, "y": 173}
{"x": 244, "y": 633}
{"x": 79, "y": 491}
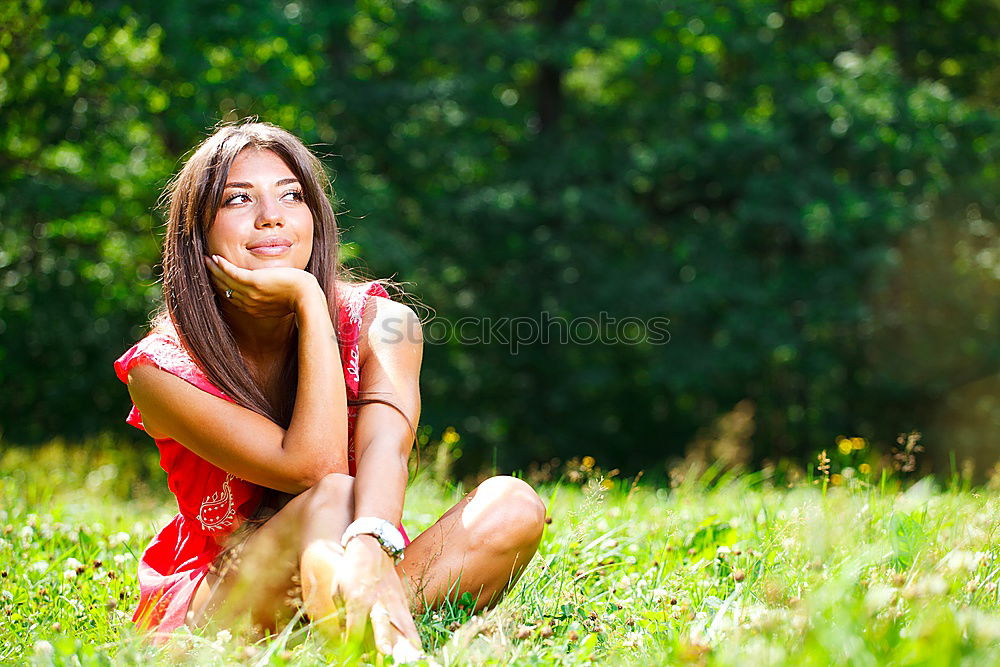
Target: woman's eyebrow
{"x": 249, "y": 186}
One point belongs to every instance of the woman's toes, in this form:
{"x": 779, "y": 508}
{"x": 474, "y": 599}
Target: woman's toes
{"x": 317, "y": 568}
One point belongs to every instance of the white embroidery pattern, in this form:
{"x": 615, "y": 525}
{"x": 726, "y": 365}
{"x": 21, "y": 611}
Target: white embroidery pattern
{"x": 217, "y": 511}
{"x": 354, "y": 309}
{"x": 353, "y": 365}
{"x": 356, "y": 306}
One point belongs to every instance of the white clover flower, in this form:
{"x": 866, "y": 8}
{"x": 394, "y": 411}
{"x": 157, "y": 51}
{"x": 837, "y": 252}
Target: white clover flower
{"x": 43, "y": 648}
{"x": 118, "y": 538}
{"x": 120, "y": 559}
{"x": 986, "y": 627}
{"x": 755, "y": 614}
{"x": 73, "y": 563}
{"x": 960, "y": 559}
{"x": 223, "y": 636}
{"x": 879, "y": 597}
{"x": 39, "y": 566}
{"x": 936, "y": 585}
{"x": 27, "y": 532}
{"x": 799, "y": 622}
{"x": 932, "y": 584}
{"x": 69, "y": 574}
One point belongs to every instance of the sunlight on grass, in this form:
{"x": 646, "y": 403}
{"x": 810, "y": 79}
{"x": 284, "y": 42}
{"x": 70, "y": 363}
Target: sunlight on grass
{"x": 739, "y": 571}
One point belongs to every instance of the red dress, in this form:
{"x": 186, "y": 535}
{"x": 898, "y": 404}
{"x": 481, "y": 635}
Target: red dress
{"x": 212, "y": 503}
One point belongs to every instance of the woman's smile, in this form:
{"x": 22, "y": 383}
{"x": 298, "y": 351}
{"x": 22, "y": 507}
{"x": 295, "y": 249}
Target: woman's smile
{"x": 271, "y": 246}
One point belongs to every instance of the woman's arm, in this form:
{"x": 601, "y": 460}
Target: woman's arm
{"x": 382, "y": 437}
{"x": 391, "y": 353}
{"x": 239, "y": 440}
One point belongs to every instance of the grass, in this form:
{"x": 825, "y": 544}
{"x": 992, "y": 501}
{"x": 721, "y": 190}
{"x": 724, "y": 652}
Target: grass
{"x": 738, "y": 571}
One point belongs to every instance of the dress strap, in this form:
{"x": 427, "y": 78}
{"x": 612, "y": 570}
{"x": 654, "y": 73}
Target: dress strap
{"x": 352, "y": 308}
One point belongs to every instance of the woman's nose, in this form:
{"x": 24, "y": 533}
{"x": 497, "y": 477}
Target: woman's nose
{"x": 269, "y": 215}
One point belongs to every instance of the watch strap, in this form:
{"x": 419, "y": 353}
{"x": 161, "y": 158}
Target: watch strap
{"x": 388, "y": 536}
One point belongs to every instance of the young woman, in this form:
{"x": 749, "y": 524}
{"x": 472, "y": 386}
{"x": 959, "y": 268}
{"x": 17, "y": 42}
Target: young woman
{"x": 283, "y": 401}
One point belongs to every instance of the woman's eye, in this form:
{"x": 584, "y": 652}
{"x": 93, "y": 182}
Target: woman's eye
{"x": 232, "y": 199}
{"x": 293, "y": 195}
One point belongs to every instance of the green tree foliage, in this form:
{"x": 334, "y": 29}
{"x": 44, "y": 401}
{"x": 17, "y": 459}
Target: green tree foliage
{"x": 807, "y": 190}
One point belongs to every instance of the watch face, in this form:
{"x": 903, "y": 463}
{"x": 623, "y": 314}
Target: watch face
{"x": 391, "y": 543}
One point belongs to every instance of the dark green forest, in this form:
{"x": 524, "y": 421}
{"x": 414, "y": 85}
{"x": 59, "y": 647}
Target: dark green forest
{"x": 806, "y": 190}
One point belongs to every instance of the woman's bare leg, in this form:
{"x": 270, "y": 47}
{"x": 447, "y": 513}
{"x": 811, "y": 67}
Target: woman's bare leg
{"x": 300, "y": 536}
{"x": 479, "y": 546}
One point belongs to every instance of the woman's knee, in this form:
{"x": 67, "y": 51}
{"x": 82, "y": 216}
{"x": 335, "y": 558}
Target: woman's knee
{"x": 510, "y": 512}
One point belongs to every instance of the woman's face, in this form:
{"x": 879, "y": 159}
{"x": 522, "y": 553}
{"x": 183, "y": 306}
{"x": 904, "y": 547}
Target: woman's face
{"x": 263, "y": 221}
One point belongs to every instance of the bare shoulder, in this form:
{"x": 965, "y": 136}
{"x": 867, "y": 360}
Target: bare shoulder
{"x": 388, "y": 327}
{"x": 154, "y": 390}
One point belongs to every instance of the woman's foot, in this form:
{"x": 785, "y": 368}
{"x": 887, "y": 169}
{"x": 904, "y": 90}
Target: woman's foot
{"x": 317, "y": 569}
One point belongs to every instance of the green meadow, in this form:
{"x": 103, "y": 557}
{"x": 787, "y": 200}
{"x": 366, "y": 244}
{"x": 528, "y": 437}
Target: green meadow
{"x": 714, "y": 568}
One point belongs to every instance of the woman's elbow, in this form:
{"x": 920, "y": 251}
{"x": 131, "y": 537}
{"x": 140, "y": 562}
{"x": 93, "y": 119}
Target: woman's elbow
{"x": 334, "y": 464}
{"x": 312, "y": 472}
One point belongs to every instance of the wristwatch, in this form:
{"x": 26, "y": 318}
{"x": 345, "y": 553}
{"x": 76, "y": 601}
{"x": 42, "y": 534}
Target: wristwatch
{"x": 387, "y": 535}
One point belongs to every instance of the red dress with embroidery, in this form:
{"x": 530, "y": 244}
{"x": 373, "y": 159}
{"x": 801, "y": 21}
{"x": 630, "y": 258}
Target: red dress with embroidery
{"x": 212, "y": 503}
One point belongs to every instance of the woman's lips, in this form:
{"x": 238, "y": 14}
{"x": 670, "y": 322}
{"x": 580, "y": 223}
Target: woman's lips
{"x": 270, "y": 250}
{"x": 270, "y": 247}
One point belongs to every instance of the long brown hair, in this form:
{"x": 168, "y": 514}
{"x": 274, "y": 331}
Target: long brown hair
{"x": 193, "y": 199}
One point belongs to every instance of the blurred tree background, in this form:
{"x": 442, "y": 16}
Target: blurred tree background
{"x": 806, "y": 189}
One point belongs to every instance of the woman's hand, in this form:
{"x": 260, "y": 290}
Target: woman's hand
{"x": 272, "y": 292}
{"x": 370, "y": 588}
